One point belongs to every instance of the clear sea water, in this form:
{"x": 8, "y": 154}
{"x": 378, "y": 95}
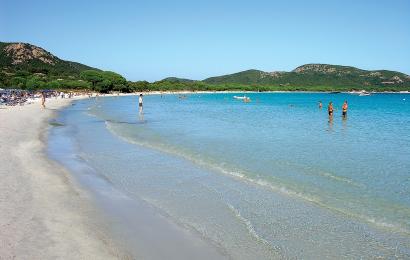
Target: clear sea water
{"x": 273, "y": 178}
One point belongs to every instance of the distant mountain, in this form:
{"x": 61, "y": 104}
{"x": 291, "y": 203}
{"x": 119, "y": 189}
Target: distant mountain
{"x": 178, "y": 80}
{"x": 247, "y": 77}
{"x": 26, "y": 57}
{"x": 317, "y": 75}
{"x": 23, "y": 65}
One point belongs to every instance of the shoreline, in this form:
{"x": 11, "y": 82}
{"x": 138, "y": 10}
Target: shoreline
{"x": 50, "y": 209}
{"x": 316, "y": 216}
{"x": 143, "y": 230}
{"x": 43, "y": 212}
{"x": 245, "y": 91}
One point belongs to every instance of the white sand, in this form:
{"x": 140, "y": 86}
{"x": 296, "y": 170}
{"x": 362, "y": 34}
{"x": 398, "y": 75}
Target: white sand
{"x": 42, "y": 213}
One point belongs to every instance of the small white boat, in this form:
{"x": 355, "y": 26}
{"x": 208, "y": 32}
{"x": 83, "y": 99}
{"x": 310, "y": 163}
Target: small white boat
{"x": 360, "y": 93}
{"x": 364, "y": 94}
{"x": 244, "y": 98}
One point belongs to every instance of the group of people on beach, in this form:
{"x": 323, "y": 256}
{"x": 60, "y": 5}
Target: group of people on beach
{"x": 49, "y": 94}
{"x": 13, "y": 97}
{"x": 330, "y": 109}
{"x": 63, "y": 95}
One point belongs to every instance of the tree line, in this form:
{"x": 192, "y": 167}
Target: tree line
{"x": 108, "y": 81}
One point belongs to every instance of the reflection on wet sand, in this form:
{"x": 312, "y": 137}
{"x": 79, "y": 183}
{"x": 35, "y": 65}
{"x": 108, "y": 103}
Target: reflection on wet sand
{"x": 141, "y": 114}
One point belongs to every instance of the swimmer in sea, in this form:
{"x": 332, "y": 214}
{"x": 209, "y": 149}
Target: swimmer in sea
{"x": 330, "y": 109}
{"x": 344, "y": 109}
{"x": 320, "y": 105}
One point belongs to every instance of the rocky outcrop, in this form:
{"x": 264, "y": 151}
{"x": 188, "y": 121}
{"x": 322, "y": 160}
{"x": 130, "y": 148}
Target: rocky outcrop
{"x": 274, "y": 74}
{"x": 321, "y": 68}
{"x": 22, "y": 52}
{"x": 397, "y": 79}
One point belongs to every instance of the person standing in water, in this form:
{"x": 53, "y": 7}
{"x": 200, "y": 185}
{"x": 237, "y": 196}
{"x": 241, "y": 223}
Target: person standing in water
{"x": 330, "y": 109}
{"x": 344, "y": 109}
{"x": 140, "y": 109}
{"x": 140, "y": 101}
{"x": 320, "y": 105}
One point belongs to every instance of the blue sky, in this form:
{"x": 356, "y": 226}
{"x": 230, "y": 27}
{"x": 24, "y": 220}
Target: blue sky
{"x": 152, "y": 40}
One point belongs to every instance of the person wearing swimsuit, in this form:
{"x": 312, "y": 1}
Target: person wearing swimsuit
{"x": 344, "y": 109}
{"x": 330, "y": 109}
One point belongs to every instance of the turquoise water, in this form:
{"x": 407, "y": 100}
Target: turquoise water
{"x": 273, "y": 178}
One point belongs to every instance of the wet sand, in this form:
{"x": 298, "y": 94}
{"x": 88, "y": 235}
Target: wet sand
{"x": 46, "y": 212}
{"x": 43, "y": 215}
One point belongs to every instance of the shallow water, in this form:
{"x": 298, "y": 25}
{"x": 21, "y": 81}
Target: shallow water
{"x": 269, "y": 179}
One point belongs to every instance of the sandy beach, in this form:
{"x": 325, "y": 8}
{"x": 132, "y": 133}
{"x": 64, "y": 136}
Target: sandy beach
{"x": 42, "y": 213}
{"x": 46, "y": 213}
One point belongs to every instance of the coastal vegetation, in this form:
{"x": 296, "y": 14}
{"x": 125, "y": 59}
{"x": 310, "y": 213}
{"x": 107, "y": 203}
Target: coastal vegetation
{"x": 30, "y": 67}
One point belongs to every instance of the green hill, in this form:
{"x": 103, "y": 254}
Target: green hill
{"x": 26, "y": 66}
{"x": 247, "y": 77}
{"x": 178, "y": 80}
{"x": 316, "y": 75}
{"x": 26, "y": 57}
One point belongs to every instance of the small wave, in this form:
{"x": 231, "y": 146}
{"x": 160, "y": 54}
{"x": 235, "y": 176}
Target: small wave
{"x": 248, "y": 224}
{"x": 317, "y": 201}
{"x": 317, "y": 171}
{"x": 90, "y": 114}
{"x": 233, "y": 173}
{"x": 341, "y": 179}
{"x": 381, "y": 223}
{"x": 237, "y": 174}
